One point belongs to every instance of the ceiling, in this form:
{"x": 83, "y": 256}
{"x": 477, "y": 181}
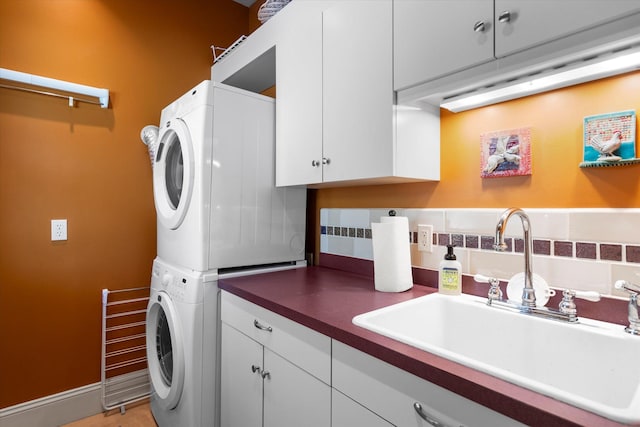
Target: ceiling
{"x": 245, "y": 2}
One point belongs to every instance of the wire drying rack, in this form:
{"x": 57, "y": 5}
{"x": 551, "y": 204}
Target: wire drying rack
{"x": 124, "y": 371}
{"x": 227, "y": 50}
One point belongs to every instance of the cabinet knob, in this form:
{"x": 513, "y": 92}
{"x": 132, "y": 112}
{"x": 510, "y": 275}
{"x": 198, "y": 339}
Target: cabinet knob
{"x": 315, "y": 163}
{"x": 255, "y": 368}
{"x": 479, "y": 27}
{"x": 265, "y": 374}
{"x": 504, "y": 17}
{"x": 326, "y": 160}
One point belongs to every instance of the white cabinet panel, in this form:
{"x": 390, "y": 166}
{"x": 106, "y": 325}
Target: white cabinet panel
{"x": 533, "y": 22}
{"x": 299, "y": 97}
{"x": 357, "y": 90}
{"x": 433, "y": 38}
{"x": 346, "y": 412}
{"x": 436, "y": 39}
{"x": 292, "y": 397}
{"x": 240, "y": 385}
{"x": 392, "y": 393}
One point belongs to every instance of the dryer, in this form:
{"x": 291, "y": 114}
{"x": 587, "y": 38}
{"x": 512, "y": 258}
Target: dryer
{"x": 214, "y": 183}
{"x": 182, "y": 350}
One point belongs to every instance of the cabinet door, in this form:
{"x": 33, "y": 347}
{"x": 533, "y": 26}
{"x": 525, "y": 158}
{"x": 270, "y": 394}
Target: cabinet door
{"x": 293, "y": 397}
{"x": 357, "y": 90}
{"x": 299, "y": 98}
{"x": 533, "y": 22}
{"x": 434, "y": 38}
{"x": 349, "y": 413}
{"x": 241, "y": 387}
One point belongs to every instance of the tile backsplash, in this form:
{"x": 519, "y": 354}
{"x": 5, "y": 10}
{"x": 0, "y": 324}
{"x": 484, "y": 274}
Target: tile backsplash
{"x": 581, "y": 249}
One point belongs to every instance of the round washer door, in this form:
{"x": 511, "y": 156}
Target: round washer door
{"x": 173, "y": 173}
{"x": 165, "y": 351}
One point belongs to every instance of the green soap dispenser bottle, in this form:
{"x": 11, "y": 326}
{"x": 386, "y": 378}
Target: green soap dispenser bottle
{"x": 450, "y": 275}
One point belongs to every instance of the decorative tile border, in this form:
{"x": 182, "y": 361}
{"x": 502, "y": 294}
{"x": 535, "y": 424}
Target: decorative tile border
{"x": 618, "y": 252}
{"x": 571, "y": 247}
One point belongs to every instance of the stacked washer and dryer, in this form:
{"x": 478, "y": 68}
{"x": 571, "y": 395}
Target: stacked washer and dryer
{"x": 218, "y": 210}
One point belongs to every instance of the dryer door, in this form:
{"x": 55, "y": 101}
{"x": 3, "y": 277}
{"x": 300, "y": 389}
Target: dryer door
{"x": 173, "y": 173}
{"x": 165, "y": 351}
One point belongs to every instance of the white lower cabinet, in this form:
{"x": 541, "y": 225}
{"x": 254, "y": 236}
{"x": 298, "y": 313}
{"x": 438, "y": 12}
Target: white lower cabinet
{"x": 346, "y": 412}
{"x": 293, "y": 397}
{"x": 274, "y": 372}
{"x": 393, "y": 394}
{"x": 278, "y": 373}
{"x": 241, "y": 387}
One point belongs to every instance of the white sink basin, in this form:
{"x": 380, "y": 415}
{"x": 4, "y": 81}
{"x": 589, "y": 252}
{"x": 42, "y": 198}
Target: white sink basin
{"x": 592, "y": 365}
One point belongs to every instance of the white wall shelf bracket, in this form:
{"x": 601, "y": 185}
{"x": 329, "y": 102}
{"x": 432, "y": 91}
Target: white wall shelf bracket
{"x": 48, "y": 83}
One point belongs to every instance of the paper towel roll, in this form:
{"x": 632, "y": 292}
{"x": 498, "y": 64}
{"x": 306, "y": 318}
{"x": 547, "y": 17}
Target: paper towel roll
{"x": 391, "y": 254}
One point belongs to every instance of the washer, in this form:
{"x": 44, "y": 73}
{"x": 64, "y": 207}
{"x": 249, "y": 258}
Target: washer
{"x": 182, "y": 351}
{"x": 214, "y": 183}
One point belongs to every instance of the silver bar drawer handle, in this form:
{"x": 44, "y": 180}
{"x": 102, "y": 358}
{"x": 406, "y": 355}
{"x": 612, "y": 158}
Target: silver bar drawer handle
{"x": 431, "y": 421}
{"x": 262, "y": 327}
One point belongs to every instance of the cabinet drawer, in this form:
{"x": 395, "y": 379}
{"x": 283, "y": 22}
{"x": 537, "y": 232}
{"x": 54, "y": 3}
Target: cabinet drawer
{"x": 391, "y": 393}
{"x": 300, "y": 345}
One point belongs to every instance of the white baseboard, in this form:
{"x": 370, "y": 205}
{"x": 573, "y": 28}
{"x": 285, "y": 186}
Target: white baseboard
{"x": 56, "y": 409}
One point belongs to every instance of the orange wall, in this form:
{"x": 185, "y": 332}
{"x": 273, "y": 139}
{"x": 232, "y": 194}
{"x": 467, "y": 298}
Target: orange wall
{"x": 556, "y": 142}
{"x": 85, "y": 164}
{"x": 556, "y": 150}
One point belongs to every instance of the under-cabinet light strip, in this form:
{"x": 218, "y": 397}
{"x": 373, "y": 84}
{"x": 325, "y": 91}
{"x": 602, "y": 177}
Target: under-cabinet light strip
{"x": 554, "y": 80}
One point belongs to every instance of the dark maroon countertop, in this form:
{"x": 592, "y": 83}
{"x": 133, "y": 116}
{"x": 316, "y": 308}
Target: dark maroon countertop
{"x": 326, "y": 299}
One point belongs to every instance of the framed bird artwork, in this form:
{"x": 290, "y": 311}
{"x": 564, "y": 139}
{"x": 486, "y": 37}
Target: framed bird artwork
{"x": 505, "y": 153}
{"x": 609, "y": 139}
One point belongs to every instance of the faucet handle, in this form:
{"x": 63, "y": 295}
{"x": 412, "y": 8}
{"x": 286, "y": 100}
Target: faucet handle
{"x": 592, "y": 296}
{"x": 633, "y": 289}
{"x": 480, "y": 278}
{"x": 568, "y": 305}
{"x": 495, "y": 293}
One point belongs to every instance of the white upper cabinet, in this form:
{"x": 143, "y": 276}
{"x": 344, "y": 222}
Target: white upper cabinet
{"x": 357, "y": 101}
{"x": 522, "y": 24}
{"x": 299, "y": 97}
{"x": 431, "y": 38}
{"x": 435, "y": 38}
{"x": 364, "y": 137}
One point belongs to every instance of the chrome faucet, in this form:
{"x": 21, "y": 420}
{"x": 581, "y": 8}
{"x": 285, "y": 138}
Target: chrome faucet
{"x": 528, "y": 293}
{"x": 567, "y": 308}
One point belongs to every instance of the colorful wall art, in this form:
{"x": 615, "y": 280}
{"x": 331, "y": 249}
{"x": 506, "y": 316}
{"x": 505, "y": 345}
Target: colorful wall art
{"x": 609, "y": 139}
{"x": 505, "y": 153}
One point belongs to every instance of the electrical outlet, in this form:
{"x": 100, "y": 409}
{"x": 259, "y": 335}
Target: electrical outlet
{"x": 425, "y": 238}
{"x": 58, "y": 229}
